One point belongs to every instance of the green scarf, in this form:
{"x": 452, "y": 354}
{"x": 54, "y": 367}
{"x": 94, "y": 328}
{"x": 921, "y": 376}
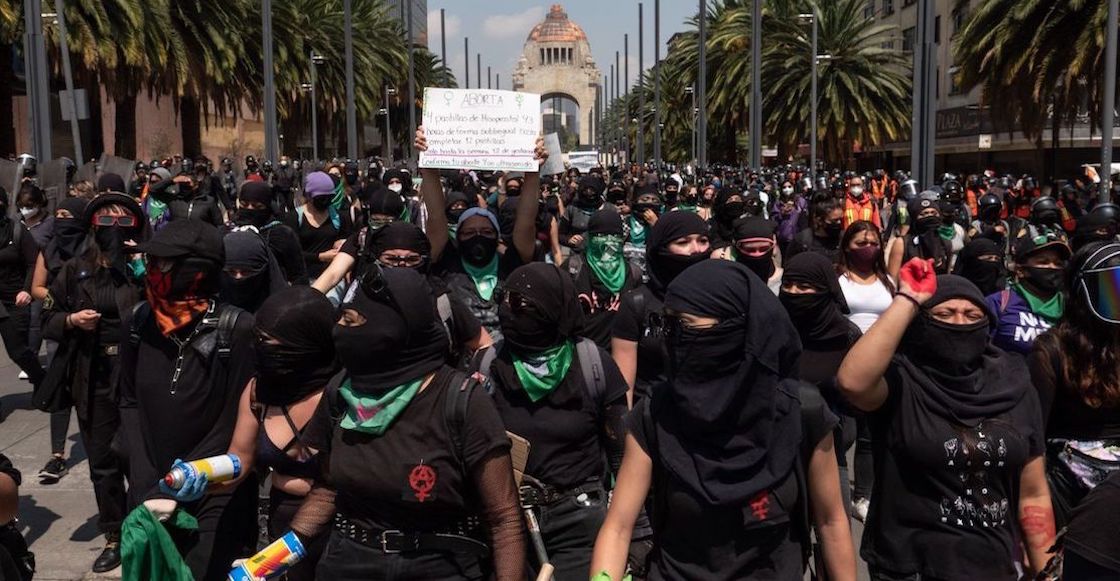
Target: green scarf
{"x": 1049, "y": 309}
{"x": 638, "y": 231}
{"x": 485, "y": 278}
{"x": 687, "y": 208}
{"x": 604, "y": 256}
{"x": 147, "y": 549}
{"x": 946, "y": 232}
{"x": 542, "y": 372}
{"x": 374, "y": 414}
{"x": 338, "y": 202}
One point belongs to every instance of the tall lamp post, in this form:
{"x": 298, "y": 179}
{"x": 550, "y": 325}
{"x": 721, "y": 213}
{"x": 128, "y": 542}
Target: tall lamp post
{"x": 316, "y": 61}
{"x": 812, "y": 98}
{"x": 1109, "y": 104}
{"x": 691, "y": 91}
{"x": 389, "y": 91}
{"x": 351, "y": 106}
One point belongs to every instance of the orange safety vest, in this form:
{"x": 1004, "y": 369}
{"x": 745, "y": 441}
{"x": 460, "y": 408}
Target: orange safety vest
{"x": 855, "y": 211}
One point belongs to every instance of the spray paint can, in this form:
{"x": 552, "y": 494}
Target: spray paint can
{"x": 271, "y": 561}
{"x": 215, "y": 469}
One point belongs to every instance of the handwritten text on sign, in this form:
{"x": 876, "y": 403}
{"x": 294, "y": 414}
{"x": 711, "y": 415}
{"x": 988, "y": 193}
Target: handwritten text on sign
{"x": 480, "y": 129}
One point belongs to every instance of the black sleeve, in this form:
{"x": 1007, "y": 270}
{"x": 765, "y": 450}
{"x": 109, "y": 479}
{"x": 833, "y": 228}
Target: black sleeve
{"x": 29, "y": 250}
{"x": 1042, "y": 376}
{"x": 215, "y": 211}
{"x": 817, "y": 421}
{"x": 483, "y": 431}
{"x": 466, "y": 325}
{"x": 638, "y": 424}
{"x": 53, "y": 320}
{"x": 288, "y": 254}
{"x": 628, "y": 323}
{"x": 138, "y": 459}
{"x": 351, "y": 246}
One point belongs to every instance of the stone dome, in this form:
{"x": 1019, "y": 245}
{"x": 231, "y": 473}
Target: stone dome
{"x": 557, "y": 28}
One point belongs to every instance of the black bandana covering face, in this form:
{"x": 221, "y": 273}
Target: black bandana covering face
{"x": 294, "y": 351}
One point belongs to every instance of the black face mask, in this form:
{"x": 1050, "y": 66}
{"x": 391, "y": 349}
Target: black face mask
{"x": 527, "y": 333}
{"x": 832, "y": 230}
{"x": 927, "y": 224}
{"x": 732, "y": 211}
{"x": 1046, "y": 280}
{"x": 69, "y": 233}
{"x": 763, "y": 266}
{"x": 805, "y": 308}
{"x": 109, "y": 238}
{"x": 985, "y": 275}
{"x": 287, "y": 374}
{"x": 703, "y": 356}
{"x": 667, "y": 266}
{"x": 254, "y": 216}
{"x": 671, "y": 198}
{"x": 248, "y": 292}
{"x": 321, "y": 202}
{"x": 589, "y": 199}
{"x": 478, "y": 250}
{"x": 513, "y": 192}
{"x": 453, "y": 216}
{"x": 351, "y": 179}
{"x": 951, "y": 348}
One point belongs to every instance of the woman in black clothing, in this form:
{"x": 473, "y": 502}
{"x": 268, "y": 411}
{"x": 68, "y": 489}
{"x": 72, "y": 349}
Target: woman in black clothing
{"x": 321, "y": 228}
{"x": 678, "y": 240}
{"x": 1074, "y": 366}
{"x": 410, "y": 473}
{"x": 981, "y": 261}
{"x": 737, "y": 451}
{"x": 83, "y": 311}
{"x": 544, "y": 396}
{"x": 602, "y": 274}
{"x": 250, "y": 273}
{"x": 18, "y": 253}
{"x": 957, "y": 437}
{"x": 729, "y": 206}
{"x": 255, "y": 205}
{"x": 296, "y": 366}
{"x": 923, "y": 240}
{"x": 812, "y": 296}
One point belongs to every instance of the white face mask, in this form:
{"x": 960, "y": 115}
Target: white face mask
{"x": 787, "y": 191}
{"x": 857, "y": 190}
{"x": 396, "y": 188}
{"x": 28, "y": 212}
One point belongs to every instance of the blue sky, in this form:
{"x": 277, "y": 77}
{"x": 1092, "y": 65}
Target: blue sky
{"x": 497, "y": 29}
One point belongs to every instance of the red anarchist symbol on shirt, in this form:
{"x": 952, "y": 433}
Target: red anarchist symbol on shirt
{"x": 422, "y": 479}
{"x": 760, "y": 505}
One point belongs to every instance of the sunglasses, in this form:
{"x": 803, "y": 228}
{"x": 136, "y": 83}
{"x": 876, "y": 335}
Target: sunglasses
{"x": 106, "y": 220}
{"x": 399, "y": 261}
{"x": 1102, "y": 290}
{"x": 665, "y": 325}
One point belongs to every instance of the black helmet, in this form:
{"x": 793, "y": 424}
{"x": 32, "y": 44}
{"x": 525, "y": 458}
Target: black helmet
{"x": 1045, "y": 211}
{"x": 989, "y": 200}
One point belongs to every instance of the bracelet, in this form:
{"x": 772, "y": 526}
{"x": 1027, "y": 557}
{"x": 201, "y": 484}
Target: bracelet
{"x": 917, "y": 305}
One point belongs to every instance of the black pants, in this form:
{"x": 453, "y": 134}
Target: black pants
{"x": 14, "y": 331}
{"x": 1078, "y": 568}
{"x": 864, "y": 462}
{"x": 569, "y": 527}
{"x": 227, "y": 530}
{"x": 347, "y": 560}
{"x": 98, "y": 427}
{"x": 282, "y": 508}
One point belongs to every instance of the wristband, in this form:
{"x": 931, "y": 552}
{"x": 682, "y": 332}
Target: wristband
{"x": 917, "y": 305}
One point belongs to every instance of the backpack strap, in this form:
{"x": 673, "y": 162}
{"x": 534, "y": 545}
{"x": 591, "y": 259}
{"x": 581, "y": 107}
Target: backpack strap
{"x": 141, "y": 312}
{"x": 1004, "y": 300}
{"x": 591, "y": 366}
{"x": 227, "y": 321}
{"x": 458, "y": 396}
{"x": 575, "y": 265}
{"x": 17, "y": 234}
{"x": 488, "y": 356}
{"x": 443, "y": 308}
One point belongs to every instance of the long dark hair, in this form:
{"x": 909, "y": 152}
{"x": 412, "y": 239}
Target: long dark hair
{"x": 880, "y": 266}
{"x": 1087, "y": 348}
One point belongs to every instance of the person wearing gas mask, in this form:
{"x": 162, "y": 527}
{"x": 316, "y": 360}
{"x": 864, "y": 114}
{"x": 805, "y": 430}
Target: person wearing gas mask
{"x": 678, "y": 240}
{"x": 588, "y": 200}
{"x": 1046, "y": 212}
{"x": 252, "y": 169}
{"x": 824, "y": 233}
{"x": 255, "y": 210}
{"x": 1034, "y": 299}
{"x": 1100, "y": 224}
{"x": 185, "y": 360}
{"x": 250, "y": 273}
{"x": 859, "y": 205}
{"x": 923, "y": 239}
{"x": 754, "y": 243}
{"x": 602, "y": 274}
{"x": 85, "y": 305}
{"x": 988, "y": 223}
{"x": 321, "y": 227}
{"x": 284, "y": 184}
{"x": 954, "y": 196}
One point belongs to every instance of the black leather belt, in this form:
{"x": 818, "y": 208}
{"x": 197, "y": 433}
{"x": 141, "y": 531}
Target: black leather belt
{"x": 392, "y": 542}
{"x": 542, "y": 495}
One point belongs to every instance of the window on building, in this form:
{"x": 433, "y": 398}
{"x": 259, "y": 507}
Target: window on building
{"x": 888, "y": 7}
{"x": 937, "y": 29}
{"x": 908, "y": 39}
{"x": 959, "y": 17}
{"x": 542, "y": 56}
{"x": 889, "y": 45}
{"x": 954, "y": 87}
{"x": 869, "y": 9}
{"x": 937, "y": 83}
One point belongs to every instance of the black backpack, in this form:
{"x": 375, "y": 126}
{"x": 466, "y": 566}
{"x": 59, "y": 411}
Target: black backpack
{"x": 203, "y": 340}
{"x": 590, "y": 365}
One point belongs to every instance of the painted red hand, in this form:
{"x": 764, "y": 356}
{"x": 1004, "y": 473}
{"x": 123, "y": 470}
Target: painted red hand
{"x": 918, "y": 279}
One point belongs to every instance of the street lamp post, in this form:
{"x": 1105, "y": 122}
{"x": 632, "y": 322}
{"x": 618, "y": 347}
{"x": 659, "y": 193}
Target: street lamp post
{"x": 1109, "y": 104}
{"x": 316, "y": 60}
{"x": 756, "y": 85}
{"x": 68, "y": 76}
{"x": 351, "y": 106}
{"x": 38, "y": 86}
{"x": 270, "y": 129}
{"x": 703, "y": 77}
{"x": 641, "y": 133}
{"x": 691, "y": 91}
{"x": 812, "y": 97}
{"x": 388, "y": 131}
{"x": 657, "y": 84}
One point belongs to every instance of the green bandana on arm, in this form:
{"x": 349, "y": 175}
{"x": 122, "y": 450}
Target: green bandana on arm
{"x": 373, "y": 415}
{"x": 542, "y": 372}
{"x": 1049, "y": 309}
{"x": 604, "y": 256}
{"x": 485, "y": 278}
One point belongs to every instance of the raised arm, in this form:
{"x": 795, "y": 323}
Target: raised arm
{"x": 525, "y": 222}
{"x": 431, "y": 193}
{"x": 861, "y": 373}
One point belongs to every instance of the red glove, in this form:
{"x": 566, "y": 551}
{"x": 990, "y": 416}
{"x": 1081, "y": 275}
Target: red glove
{"x": 918, "y": 279}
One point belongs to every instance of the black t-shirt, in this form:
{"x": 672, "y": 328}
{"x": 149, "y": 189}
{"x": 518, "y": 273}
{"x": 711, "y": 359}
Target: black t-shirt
{"x": 565, "y": 429}
{"x": 16, "y": 263}
{"x": 599, "y": 304}
{"x": 410, "y": 478}
{"x": 1092, "y": 529}
{"x": 807, "y": 241}
{"x": 630, "y": 324}
{"x": 1066, "y": 414}
{"x": 285, "y": 246}
{"x": 945, "y": 500}
{"x": 316, "y": 240}
{"x": 762, "y": 540}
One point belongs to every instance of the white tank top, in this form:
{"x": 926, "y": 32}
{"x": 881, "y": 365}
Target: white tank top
{"x": 866, "y": 301}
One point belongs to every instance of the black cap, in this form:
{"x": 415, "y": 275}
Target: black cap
{"x": 1032, "y": 239}
{"x": 110, "y": 182}
{"x": 180, "y": 238}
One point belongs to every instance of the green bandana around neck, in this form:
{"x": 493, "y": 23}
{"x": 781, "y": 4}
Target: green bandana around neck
{"x": 687, "y": 208}
{"x": 946, "y": 232}
{"x": 1050, "y": 309}
{"x": 375, "y": 414}
{"x": 485, "y": 278}
{"x": 638, "y": 231}
{"x": 541, "y": 372}
{"x": 604, "y": 256}
{"x": 338, "y": 201}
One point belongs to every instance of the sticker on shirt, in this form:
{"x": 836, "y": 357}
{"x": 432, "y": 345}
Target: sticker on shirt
{"x": 420, "y": 484}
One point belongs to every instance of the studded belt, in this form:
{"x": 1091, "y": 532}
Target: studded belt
{"x": 395, "y": 541}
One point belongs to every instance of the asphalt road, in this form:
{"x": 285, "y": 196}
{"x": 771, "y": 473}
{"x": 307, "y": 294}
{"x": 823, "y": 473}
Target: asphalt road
{"x": 60, "y": 520}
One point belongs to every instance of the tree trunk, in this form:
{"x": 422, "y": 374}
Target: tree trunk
{"x": 190, "y": 122}
{"x": 124, "y": 133}
{"x": 7, "y": 123}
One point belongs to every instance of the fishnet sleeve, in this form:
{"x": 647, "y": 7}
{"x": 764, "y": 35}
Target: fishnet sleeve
{"x": 493, "y": 478}
{"x": 317, "y": 510}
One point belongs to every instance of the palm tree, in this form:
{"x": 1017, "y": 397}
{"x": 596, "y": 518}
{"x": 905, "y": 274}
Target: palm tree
{"x": 9, "y": 33}
{"x": 1032, "y": 57}
{"x": 863, "y": 89}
